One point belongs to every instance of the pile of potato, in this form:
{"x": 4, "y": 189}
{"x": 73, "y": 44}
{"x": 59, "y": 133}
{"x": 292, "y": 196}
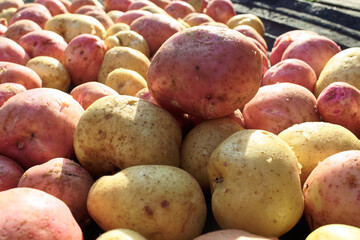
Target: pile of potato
{"x": 152, "y": 119}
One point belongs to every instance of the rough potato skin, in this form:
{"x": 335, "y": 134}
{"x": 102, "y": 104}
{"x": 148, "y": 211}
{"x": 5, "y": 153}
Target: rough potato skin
{"x": 38, "y": 125}
{"x": 16, "y": 73}
{"x": 33, "y": 214}
{"x": 116, "y": 132}
{"x": 205, "y": 71}
{"x": 10, "y": 173}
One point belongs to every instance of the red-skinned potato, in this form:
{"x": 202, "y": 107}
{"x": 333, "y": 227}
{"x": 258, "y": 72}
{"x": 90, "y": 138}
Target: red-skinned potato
{"x": 252, "y": 33}
{"x": 33, "y": 13}
{"x": 314, "y": 50}
{"x": 339, "y": 103}
{"x": 55, "y": 7}
{"x": 83, "y": 58}
{"x": 11, "y": 51}
{"x": 43, "y": 216}
{"x": 121, "y": 5}
{"x": 131, "y": 15}
{"x": 5, "y": 4}
{"x": 277, "y": 107}
{"x": 89, "y": 92}
{"x": 195, "y": 19}
{"x": 43, "y": 43}
{"x": 199, "y": 5}
{"x": 189, "y": 78}
{"x": 7, "y": 90}
{"x": 292, "y": 71}
{"x": 98, "y": 13}
{"x": 76, "y": 4}
{"x": 16, "y": 73}
{"x": 139, "y": 4}
{"x": 220, "y": 10}
{"x": 38, "y": 125}
{"x": 20, "y": 28}
{"x": 179, "y": 9}
{"x": 231, "y": 234}
{"x": 65, "y": 179}
{"x": 164, "y": 26}
{"x": 10, "y": 173}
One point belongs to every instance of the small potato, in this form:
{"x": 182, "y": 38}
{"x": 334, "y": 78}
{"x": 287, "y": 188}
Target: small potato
{"x": 114, "y": 14}
{"x": 231, "y": 234}
{"x": 7, "y": 90}
{"x": 7, "y": 14}
{"x": 312, "y": 142}
{"x": 115, "y": 131}
{"x": 64, "y": 179}
{"x": 53, "y": 73}
{"x": 117, "y": 27}
{"x": 129, "y": 16}
{"x": 125, "y": 81}
{"x": 89, "y": 92}
{"x": 195, "y": 19}
{"x": 128, "y": 38}
{"x": 121, "y": 234}
{"x": 20, "y": 28}
{"x": 220, "y": 10}
{"x": 33, "y": 13}
{"x": 16, "y": 73}
{"x": 200, "y": 142}
{"x": 252, "y": 33}
{"x": 36, "y": 214}
{"x": 72, "y": 25}
{"x": 179, "y": 9}
{"x": 10, "y": 173}
{"x": 123, "y": 57}
{"x": 247, "y": 19}
{"x": 11, "y": 51}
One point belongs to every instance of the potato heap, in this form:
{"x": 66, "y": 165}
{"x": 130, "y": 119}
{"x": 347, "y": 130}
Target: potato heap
{"x": 159, "y": 119}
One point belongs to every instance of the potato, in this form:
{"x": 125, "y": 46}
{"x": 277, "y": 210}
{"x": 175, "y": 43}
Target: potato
{"x": 64, "y": 179}
{"x": 164, "y": 26}
{"x": 7, "y": 14}
{"x": 76, "y": 4}
{"x": 83, "y": 58}
{"x": 44, "y": 43}
{"x": 231, "y": 234}
{"x": 7, "y": 90}
{"x": 335, "y": 232}
{"x": 129, "y": 16}
{"x": 342, "y": 67}
{"x": 10, "y": 173}
{"x": 314, "y": 50}
{"x": 38, "y": 125}
{"x": 160, "y": 202}
{"x": 221, "y": 11}
{"x": 179, "y": 9}
{"x": 20, "y": 28}
{"x": 128, "y": 38}
{"x": 210, "y": 73}
{"x": 117, "y": 27}
{"x": 16, "y": 73}
{"x": 98, "y": 13}
{"x": 139, "y": 4}
{"x": 89, "y": 92}
{"x": 53, "y": 73}
{"x": 293, "y": 71}
{"x": 114, "y": 132}
{"x": 331, "y": 192}
{"x": 3, "y": 29}
{"x": 247, "y": 19}
{"x": 10, "y": 51}
{"x": 121, "y": 5}
{"x": 277, "y": 107}
{"x": 36, "y": 214}
{"x": 121, "y": 234}
{"x": 72, "y": 25}
{"x": 214, "y": 24}
{"x": 145, "y": 94}
{"x": 6, "y": 4}
{"x": 125, "y": 81}
{"x": 312, "y": 142}
{"x": 55, "y": 7}
{"x": 196, "y": 19}
{"x": 255, "y": 183}
{"x": 33, "y": 13}
{"x": 252, "y": 33}
{"x": 123, "y": 57}
{"x": 114, "y": 14}
{"x": 200, "y": 142}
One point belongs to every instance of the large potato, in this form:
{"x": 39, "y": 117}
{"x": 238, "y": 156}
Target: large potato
{"x": 160, "y": 202}
{"x": 255, "y": 184}
{"x": 207, "y": 72}
{"x": 16, "y": 73}
{"x": 34, "y": 214}
{"x": 10, "y": 173}
{"x": 7, "y": 90}
{"x": 38, "y": 125}
{"x": 312, "y": 142}
{"x": 116, "y": 132}
{"x": 11, "y": 51}
{"x": 342, "y": 67}
{"x": 71, "y": 25}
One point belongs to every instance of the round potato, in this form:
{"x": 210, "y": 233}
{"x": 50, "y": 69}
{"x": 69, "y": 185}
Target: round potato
{"x": 114, "y": 14}
{"x": 52, "y": 72}
{"x": 129, "y": 16}
{"x": 116, "y": 132}
{"x": 179, "y": 9}
{"x": 121, "y": 234}
{"x": 7, "y": 14}
{"x": 98, "y": 13}
{"x": 10, "y": 173}
{"x": 247, "y": 19}
{"x": 160, "y": 202}
{"x": 34, "y": 12}
{"x": 6, "y": 4}
{"x": 11, "y": 51}
{"x": 220, "y": 10}
{"x": 16, "y": 73}
{"x": 195, "y": 19}
{"x": 20, "y": 28}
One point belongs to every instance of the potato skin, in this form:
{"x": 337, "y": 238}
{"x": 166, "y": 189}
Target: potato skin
{"x": 33, "y": 13}
{"x": 20, "y": 28}
{"x": 210, "y": 73}
{"x": 117, "y": 132}
{"x": 39, "y": 125}
{"x": 10, "y": 173}
{"x": 16, "y": 73}
{"x": 120, "y": 234}
{"x": 11, "y": 51}
{"x": 158, "y": 201}
{"x": 36, "y": 214}
{"x": 231, "y": 234}
{"x": 7, "y": 90}
{"x": 334, "y": 232}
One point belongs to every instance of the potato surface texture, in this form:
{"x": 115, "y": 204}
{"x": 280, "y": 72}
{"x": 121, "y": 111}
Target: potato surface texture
{"x": 159, "y": 202}
{"x": 116, "y": 132}
{"x": 255, "y": 184}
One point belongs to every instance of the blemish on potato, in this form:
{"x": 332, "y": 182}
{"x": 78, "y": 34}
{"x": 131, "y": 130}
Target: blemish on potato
{"x": 218, "y": 180}
{"x": 20, "y": 145}
{"x": 148, "y": 210}
{"x": 165, "y": 204}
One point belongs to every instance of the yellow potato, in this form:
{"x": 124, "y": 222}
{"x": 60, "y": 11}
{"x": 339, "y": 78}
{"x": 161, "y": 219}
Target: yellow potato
{"x": 7, "y": 14}
{"x": 159, "y": 202}
{"x": 247, "y": 19}
{"x": 125, "y": 81}
{"x": 312, "y": 142}
{"x": 342, "y": 67}
{"x": 117, "y": 27}
{"x": 123, "y": 57}
{"x": 116, "y": 132}
{"x": 335, "y": 232}
{"x": 71, "y": 25}
{"x": 121, "y": 234}
{"x": 255, "y": 184}
{"x": 52, "y": 72}
{"x": 128, "y": 38}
